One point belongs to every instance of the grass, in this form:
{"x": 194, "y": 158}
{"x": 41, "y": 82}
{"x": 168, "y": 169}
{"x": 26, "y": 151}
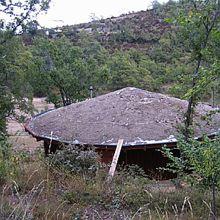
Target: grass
{"x": 41, "y": 190}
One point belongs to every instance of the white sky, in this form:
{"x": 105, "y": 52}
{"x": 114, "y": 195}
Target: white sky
{"x": 63, "y": 12}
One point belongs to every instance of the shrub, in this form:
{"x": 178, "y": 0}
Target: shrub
{"x": 76, "y": 160}
{"x": 7, "y": 160}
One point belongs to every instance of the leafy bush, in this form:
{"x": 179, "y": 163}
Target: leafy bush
{"x": 76, "y": 160}
{"x": 201, "y": 159}
{"x": 7, "y": 160}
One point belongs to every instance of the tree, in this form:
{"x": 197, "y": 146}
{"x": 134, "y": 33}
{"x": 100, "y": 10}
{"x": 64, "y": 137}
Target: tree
{"x": 199, "y": 34}
{"x": 125, "y": 71}
{"x": 65, "y": 71}
{"x": 16, "y": 14}
{"x": 197, "y": 24}
{"x": 15, "y": 65}
{"x": 13, "y": 56}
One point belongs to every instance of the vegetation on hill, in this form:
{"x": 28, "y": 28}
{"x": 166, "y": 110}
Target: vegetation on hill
{"x": 142, "y": 49}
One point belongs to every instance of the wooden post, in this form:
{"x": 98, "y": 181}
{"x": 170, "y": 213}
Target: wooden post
{"x": 115, "y": 159}
{"x": 91, "y": 92}
{"x": 213, "y": 97}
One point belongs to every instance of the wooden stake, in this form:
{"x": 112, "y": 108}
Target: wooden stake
{"x": 115, "y": 159}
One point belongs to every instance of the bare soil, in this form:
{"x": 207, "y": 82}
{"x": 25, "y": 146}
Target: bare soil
{"x": 20, "y": 139}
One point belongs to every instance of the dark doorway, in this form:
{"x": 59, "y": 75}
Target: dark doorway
{"x": 150, "y": 160}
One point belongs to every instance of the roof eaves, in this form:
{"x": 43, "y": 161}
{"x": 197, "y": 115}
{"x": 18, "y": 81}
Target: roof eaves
{"x": 171, "y": 140}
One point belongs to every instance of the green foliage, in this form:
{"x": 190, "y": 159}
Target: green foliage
{"x": 197, "y": 22}
{"x": 8, "y": 168}
{"x": 76, "y": 160}
{"x": 18, "y": 13}
{"x": 64, "y": 72}
{"x": 14, "y": 56}
{"x": 15, "y": 67}
{"x": 63, "y": 69}
{"x": 201, "y": 158}
{"x": 5, "y": 108}
{"x": 162, "y": 61}
{"x": 124, "y": 71}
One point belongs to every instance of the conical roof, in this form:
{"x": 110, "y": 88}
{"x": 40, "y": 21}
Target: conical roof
{"x": 139, "y": 117}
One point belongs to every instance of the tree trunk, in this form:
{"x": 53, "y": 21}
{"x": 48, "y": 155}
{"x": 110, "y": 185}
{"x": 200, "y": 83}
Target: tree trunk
{"x": 192, "y": 102}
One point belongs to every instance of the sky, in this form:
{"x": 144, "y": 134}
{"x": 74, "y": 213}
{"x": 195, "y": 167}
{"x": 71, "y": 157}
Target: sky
{"x": 68, "y": 12}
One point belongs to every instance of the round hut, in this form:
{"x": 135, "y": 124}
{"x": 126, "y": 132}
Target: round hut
{"x": 146, "y": 122}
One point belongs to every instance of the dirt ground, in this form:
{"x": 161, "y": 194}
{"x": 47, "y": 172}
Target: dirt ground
{"x": 20, "y": 139}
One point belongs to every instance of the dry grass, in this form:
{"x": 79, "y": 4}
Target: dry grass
{"x": 41, "y": 191}
{"x": 35, "y": 194}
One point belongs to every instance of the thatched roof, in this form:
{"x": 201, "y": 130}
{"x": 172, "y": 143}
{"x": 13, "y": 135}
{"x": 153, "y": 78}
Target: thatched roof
{"x": 139, "y": 117}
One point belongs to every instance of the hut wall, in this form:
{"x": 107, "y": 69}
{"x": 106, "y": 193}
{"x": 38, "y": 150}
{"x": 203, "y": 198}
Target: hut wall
{"x": 106, "y": 155}
{"x": 148, "y": 159}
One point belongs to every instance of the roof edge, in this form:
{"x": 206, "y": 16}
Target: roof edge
{"x": 104, "y": 145}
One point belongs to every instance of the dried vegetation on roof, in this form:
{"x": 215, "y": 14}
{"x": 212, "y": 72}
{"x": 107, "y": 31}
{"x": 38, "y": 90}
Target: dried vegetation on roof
{"x": 137, "y": 116}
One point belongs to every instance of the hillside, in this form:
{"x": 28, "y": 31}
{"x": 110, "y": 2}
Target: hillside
{"x": 134, "y": 30}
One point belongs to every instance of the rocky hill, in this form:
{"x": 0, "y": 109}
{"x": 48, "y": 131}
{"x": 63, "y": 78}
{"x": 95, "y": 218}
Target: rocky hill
{"x": 134, "y": 30}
